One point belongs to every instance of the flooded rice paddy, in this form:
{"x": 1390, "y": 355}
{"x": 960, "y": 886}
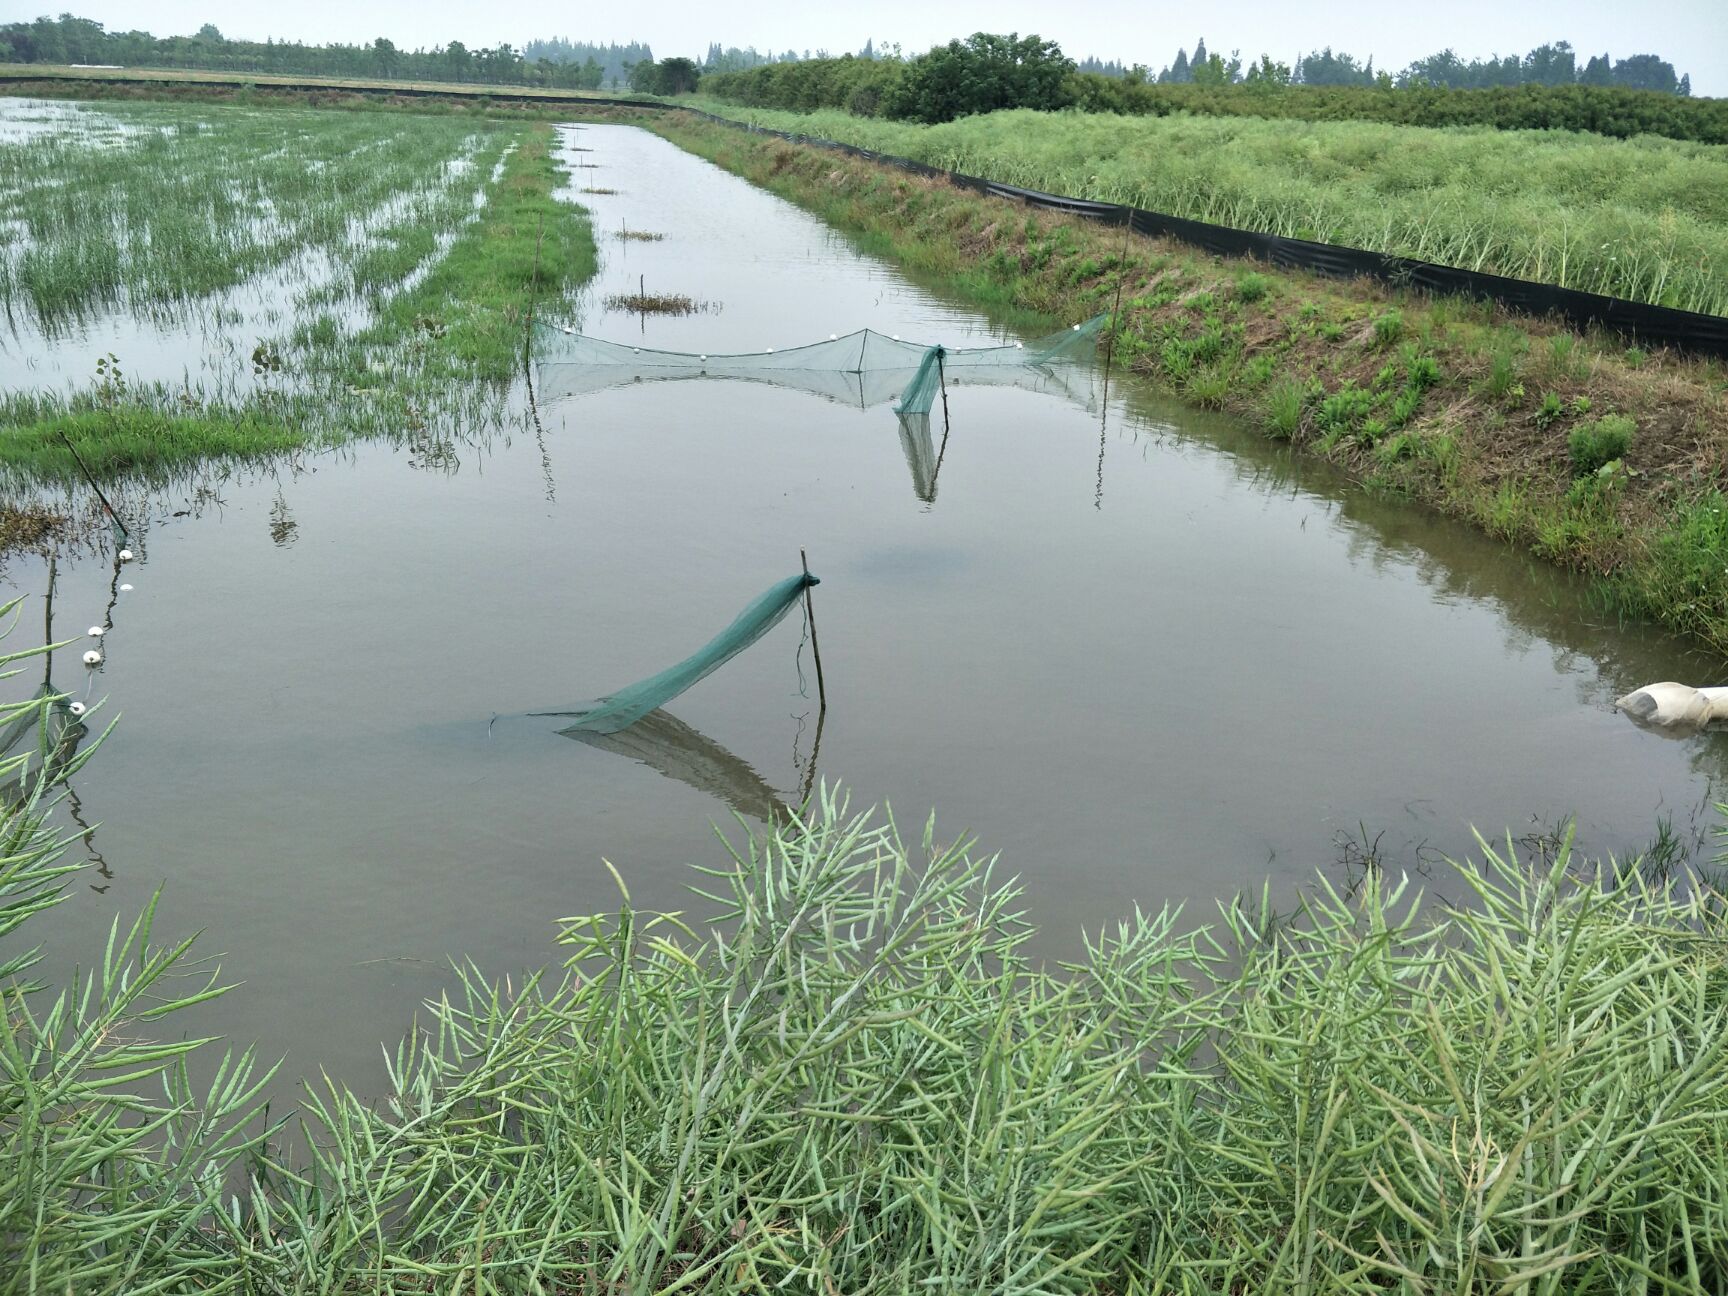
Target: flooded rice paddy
{"x": 1135, "y": 649}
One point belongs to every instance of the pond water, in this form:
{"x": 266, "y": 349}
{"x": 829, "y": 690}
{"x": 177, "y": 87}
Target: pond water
{"x": 1137, "y": 651}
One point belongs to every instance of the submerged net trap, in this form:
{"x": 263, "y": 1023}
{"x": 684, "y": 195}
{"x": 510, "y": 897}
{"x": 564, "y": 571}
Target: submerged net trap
{"x": 618, "y": 711}
{"x": 864, "y": 368}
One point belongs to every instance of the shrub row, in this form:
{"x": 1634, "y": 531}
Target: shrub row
{"x": 871, "y": 88}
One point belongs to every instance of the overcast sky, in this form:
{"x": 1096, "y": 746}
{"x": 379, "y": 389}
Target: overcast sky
{"x": 1692, "y": 34}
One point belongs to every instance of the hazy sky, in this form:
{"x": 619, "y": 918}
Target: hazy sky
{"x": 1692, "y": 34}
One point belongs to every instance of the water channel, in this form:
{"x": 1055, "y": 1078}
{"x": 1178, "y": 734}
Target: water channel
{"x": 1137, "y": 650}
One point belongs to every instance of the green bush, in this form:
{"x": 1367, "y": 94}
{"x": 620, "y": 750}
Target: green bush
{"x": 1600, "y": 442}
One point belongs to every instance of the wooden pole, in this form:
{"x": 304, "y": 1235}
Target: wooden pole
{"x": 815, "y": 647}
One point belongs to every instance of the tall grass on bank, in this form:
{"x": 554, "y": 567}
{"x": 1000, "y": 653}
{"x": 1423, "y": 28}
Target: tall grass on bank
{"x": 850, "y": 1077}
{"x": 1645, "y": 219}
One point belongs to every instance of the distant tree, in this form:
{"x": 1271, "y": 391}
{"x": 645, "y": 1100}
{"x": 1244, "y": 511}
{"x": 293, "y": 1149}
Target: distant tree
{"x": 1267, "y": 73}
{"x": 1215, "y": 71}
{"x": 1554, "y": 64}
{"x": 384, "y": 55}
{"x": 1178, "y": 73}
{"x": 1686, "y": 86}
{"x": 209, "y": 32}
{"x": 1597, "y": 72}
{"x": 982, "y": 74}
{"x": 678, "y": 76}
{"x": 670, "y": 76}
{"x": 1646, "y": 72}
{"x": 1327, "y": 68}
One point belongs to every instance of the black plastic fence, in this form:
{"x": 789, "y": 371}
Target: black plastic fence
{"x": 1651, "y": 325}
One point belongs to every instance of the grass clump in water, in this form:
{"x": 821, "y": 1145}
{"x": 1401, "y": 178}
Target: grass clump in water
{"x": 646, "y": 303}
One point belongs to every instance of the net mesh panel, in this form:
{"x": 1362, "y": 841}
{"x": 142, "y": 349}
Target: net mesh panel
{"x": 861, "y": 369}
{"x": 620, "y": 710}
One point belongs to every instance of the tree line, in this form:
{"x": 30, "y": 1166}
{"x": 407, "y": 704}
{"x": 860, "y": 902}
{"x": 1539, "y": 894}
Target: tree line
{"x": 985, "y": 73}
{"x": 1553, "y": 64}
{"x": 552, "y": 64}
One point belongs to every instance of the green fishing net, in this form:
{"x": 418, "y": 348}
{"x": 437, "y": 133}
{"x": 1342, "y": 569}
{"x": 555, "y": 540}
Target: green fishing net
{"x": 620, "y": 710}
{"x": 864, "y": 368}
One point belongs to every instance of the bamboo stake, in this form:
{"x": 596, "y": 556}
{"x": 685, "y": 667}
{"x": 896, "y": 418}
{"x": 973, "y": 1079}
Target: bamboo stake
{"x": 815, "y": 647}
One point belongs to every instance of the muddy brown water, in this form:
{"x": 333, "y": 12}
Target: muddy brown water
{"x": 1140, "y": 652}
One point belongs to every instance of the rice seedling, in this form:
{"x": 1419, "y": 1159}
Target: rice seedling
{"x": 1642, "y": 218}
{"x": 373, "y": 315}
{"x": 184, "y": 202}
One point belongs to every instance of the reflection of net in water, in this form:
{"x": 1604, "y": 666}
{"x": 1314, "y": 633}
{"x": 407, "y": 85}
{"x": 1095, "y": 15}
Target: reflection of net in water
{"x": 862, "y": 369}
{"x": 668, "y": 746}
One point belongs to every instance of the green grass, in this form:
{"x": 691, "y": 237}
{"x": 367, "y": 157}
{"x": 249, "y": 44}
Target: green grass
{"x": 143, "y": 206}
{"x": 847, "y": 1075}
{"x": 407, "y": 323}
{"x": 1644, "y": 218}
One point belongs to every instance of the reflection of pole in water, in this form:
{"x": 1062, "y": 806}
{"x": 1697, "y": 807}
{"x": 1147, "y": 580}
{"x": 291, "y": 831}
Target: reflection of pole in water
{"x": 1110, "y": 356}
{"x": 808, "y": 783}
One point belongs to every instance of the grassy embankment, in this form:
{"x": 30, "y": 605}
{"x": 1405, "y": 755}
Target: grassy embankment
{"x": 50, "y": 73}
{"x": 1645, "y": 219}
{"x": 847, "y": 1077}
{"x": 407, "y": 246}
{"x": 1590, "y": 452}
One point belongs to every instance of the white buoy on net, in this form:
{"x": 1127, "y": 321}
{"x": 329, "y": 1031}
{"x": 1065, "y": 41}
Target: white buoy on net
{"x": 92, "y": 658}
{"x": 1675, "y": 706}
{"x": 96, "y": 632}
{"x": 77, "y": 708}
{"x": 125, "y": 555}
{"x": 125, "y": 589}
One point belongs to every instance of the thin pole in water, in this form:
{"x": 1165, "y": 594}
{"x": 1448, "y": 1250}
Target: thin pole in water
{"x": 1109, "y": 356}
{"x": 533, "y": 297}
{"x": 815, "y": 646}
{"x": 91, "y": 478}
{"x": 942, "y": 378}
{"x": 1116, "y": 310}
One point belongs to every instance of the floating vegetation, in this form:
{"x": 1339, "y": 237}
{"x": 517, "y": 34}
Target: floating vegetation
{"x": 644, "y": 303}
{"x": 598, "y": 191}
{"x": 27, "y": 525}
{"x": 639, "y": 236}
